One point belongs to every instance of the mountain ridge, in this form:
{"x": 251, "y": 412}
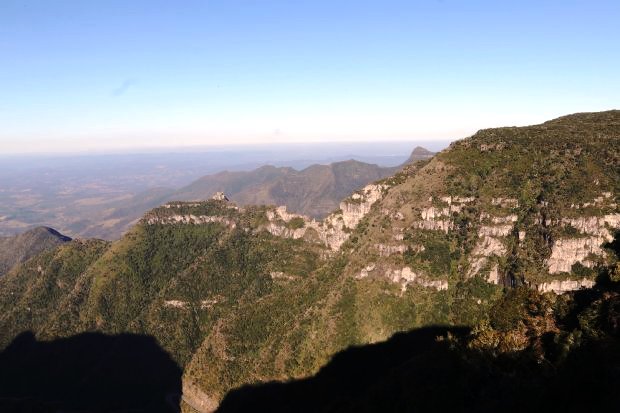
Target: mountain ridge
{"x": 314, "y": 191}
{"x": 248, "y": 294}
{"x": 19, "y": 248}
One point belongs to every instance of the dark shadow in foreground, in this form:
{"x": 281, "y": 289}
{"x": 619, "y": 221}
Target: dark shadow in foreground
{"x": 421, "y": 371}
{"x": 89, "y": 372}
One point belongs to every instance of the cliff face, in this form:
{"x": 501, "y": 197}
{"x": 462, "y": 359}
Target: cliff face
{"x": 335, "y": 229}
{"x": 527, "y": 206}
{"x": 590, "y": 233}
{"x": 530, "y": 205}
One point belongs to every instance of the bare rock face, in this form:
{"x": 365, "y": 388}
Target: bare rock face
{"x": 438, "y": 218}
{"x": 486, "y": 247}
{"x": 359, "y": 204}
{"x": 593, "y": 232}
{"x": 387, "y": 250}
{"x": 490, "y": 242}
{"x": 220, "y": 196}
{"x": 569, "y": 251}
{"x": 564, "y": 286}
{"x": 190, "y": 219}
{"x": 404, "y": 277}
{"x": 197, "y": 399}
{"x": 334, "y": 230}
{"x": 493, "y": 277}
{"x": 498, "y": 226}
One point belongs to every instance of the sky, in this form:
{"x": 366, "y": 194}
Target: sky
{"x": 114, "y": 75}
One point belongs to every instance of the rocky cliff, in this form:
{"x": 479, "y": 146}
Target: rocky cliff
{"x": 247, "y": 294}
{"x": 530, "y": 207}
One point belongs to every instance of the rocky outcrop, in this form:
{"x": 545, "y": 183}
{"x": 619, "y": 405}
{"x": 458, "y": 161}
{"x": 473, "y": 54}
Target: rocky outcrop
{"x": 190, "y": 219}
{"x": 280, "y": 275}
{"x": 486, "y": 247}
{"x": 564, "y": 286}
{"x": 591, "y": 225}
{"x": 387, "y": 250}
{"x": 184, "y": 305}
{"x": 443, "y": 225}
{"x": 439, "y": 218}
{"x": 494, "y": 231}
{"x": 404, "y": 277}
{"x": 569, "y": 251}
{"x": 334, "y": 230}
{"x": 197, "y": 399}
{"x": 605, "y": 199}
{"x": 220, "y": 196}
{"x": 505, "y": 202}
{"x": 358, "y": 205}
{"x": 493, "y": 277}
{"x": 594, "y": 232}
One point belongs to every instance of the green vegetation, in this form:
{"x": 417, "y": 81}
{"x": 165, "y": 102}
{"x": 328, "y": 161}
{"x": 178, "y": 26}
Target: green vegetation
{"x": 17, "y": 249}
{"x": 234, "y": 304}
{"x": 31, "y": 293}
{"x": 296, "y": 223}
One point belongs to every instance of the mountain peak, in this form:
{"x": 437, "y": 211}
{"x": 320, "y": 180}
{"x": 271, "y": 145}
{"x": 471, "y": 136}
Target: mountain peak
{"x": 418, "y": 154}
{"x": 19, "y": 248}
{"x": 48, "y": 231}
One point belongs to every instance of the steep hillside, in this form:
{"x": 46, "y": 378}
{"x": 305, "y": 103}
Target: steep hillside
{"x": 538, "y": 353}
{"x": 512, "y": 206}
{"x": 33, "y": 291}
{"x": 171, "y": 276}
{"x": 242, "y": 295}
{"x": 17, "y": 249}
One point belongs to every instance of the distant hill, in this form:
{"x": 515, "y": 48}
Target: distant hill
{"x": 19, "y": 248}
{"x": 418, "y": 154}
{"x": 314, "y": 191}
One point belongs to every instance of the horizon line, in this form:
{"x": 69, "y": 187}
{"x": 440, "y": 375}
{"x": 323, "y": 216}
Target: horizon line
{"x": 171, "y": 149}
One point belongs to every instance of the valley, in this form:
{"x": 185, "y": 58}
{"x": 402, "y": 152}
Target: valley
{"x": 499, "y": 251}
{"x": 102, "y": 196}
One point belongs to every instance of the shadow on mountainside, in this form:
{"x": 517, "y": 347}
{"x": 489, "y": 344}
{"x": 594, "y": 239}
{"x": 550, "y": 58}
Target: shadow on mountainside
{"x": 89, "y": 372}
{"x": 423, "y": 371}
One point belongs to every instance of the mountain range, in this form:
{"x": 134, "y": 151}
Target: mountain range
{"x": 314, "y": 191}
{"x": 509, "y": 235}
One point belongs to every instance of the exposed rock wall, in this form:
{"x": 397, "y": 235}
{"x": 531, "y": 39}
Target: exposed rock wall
{"x": 404, "y": 277}
{"x": 197, "y": 399}
{"x": 564, "y": 286}
{"x": 359, "y": 204}
{"x": 387, "y": 250}
{"x": 594, "y": 231}
{"x": 190, "y": 219}
{"x": 334, "y": 230}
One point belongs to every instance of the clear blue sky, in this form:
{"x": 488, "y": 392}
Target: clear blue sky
{"x": 99, "y": 75}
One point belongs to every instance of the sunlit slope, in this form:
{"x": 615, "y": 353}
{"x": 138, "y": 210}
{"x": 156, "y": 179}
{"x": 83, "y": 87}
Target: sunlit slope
{"x": 510, "y": 206}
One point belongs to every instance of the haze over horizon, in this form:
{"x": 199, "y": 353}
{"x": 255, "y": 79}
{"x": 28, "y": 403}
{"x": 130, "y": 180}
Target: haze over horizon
{"x": 109, "y": 76}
